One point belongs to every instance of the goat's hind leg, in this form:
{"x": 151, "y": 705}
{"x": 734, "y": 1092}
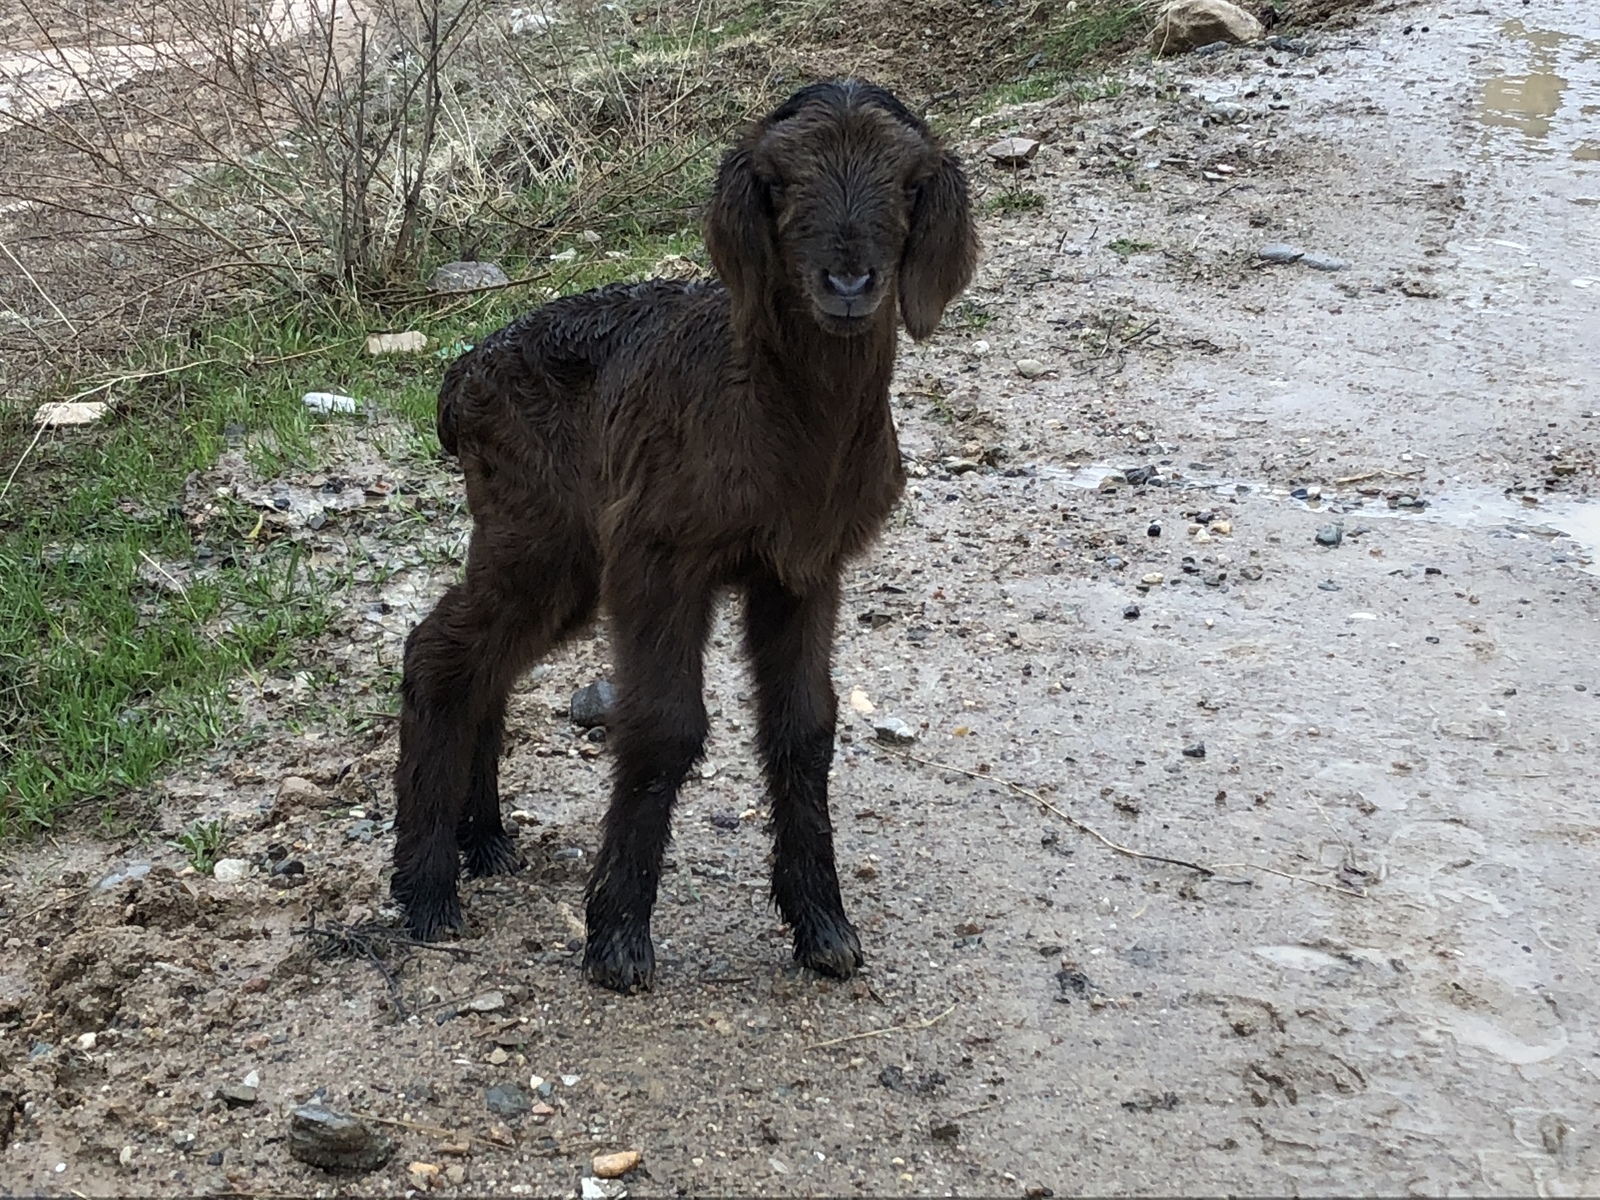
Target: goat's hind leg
{"x": 790, "y": 642}
{"x": 517, "y": 602}
{"x": 486, "y": 848}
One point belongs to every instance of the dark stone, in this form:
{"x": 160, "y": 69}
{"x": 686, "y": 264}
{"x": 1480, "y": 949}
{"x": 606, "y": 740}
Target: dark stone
{"x": 506, "y": 1100}
{"x": 593, "y": 705}
{"x": 336, "y": 1141}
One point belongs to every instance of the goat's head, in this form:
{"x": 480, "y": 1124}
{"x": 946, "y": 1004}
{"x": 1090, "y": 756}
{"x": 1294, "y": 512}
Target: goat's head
{"x": 843, "y": 199}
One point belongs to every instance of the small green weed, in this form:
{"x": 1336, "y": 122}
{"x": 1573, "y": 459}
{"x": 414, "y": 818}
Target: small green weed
{"x": 1013, "y": 201}
{"x": 1127, "y": 246}
{"x": 202, "y": 844}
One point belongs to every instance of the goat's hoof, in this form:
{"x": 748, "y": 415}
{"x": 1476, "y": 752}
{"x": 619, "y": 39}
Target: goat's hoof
{"x": 429, "y": 920}
{"x": 622, "y": 959}
{"x": 829, "y": 946}
{"x": 495, "y": 855}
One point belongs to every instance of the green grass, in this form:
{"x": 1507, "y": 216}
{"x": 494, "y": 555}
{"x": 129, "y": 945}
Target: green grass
{"x": 121, "y": 631}
{"x": 1016, "y": 200}
{"x": 1126, "y": 246}
{"x": 1068, "y": 48}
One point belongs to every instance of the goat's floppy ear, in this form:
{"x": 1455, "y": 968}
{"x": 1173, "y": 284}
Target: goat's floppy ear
{"x": 941, "y": 251}
{"x": 738, "y": 232}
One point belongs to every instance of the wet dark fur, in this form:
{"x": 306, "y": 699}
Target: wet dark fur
{"x": 646, "y": 446}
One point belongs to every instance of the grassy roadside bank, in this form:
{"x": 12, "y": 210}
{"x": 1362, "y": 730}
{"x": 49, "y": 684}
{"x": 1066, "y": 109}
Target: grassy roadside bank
{"x": 136, "y": 602}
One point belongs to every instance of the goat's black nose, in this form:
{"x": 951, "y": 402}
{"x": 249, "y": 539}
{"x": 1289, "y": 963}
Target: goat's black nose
{"x": 848, "y": 286}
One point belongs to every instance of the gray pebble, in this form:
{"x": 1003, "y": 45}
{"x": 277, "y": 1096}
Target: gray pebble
{"x": 1330, "y": 535}
{"x": 593, "y": 705}
{"x": 892, "y": 731}
{"x": 465, "y": 276}
{"x": 506, "y": 1100}
{"x": 236, "y": 1095}
{"x": 1278, "y": 252}
{"x": 336, "y": 1141}
{"x": 1323, "y": 262}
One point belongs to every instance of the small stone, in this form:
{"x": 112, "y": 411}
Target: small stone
{"x": 63, "y": 413}
{"x": 1198, "y": 750}
{"x": 423, "y": 1174}
{"x": 236, "y": 1095}
{"x": 467, "y": 276}
{"x": 892, "y": 731}
{"x": 85, "y": 1042}
{"x": 592, "y": 705}
{"x": 252, "y": 1079}
{"x": 947, "y": 1131}
{"x": 498, "y": 1057}
{"x": 1131, "y": 612}
{"x": 362, "y": 831}
{"x": 1323, "y": 262}
{"x": 230, "y": 870}
{"x": 126, "y": 1156}
{"x": 410, "y": 342}
{"x": 1252, "y": 573}
{"x": 1330, "y": 535}
{"x": 506, "y": 1100}
{"x": 336, "y": 1141}
{"x": 1223, "y": 527}
{"x": 1031, "y": 368}
{"x": 860, "y": 703}
{"x": 456, "y": 1174}
{"x": 614, "y": 1166}
{"x": 1278, "y": 252}
{"x": 295, "y": 792}
{"x": 1012, "y": 151}
{"x": 1328, "y": 585}
{"x": 1153, "y": 529}
{"x": 1152, "y": 579}
{"x": 289, "y": 867}
{"x": 487, "y": 1002}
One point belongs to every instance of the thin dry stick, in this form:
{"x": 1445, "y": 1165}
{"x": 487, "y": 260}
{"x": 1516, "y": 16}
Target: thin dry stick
{"x": 1030, "y": 794}
{"x": 928, "y": 1023}
{"x": 1208, "y": 872}
{"x": 395, "y": 1121}
{"x": 22, "y": 458}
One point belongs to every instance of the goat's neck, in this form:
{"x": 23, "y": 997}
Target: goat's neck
{"x": 811, "y": 373}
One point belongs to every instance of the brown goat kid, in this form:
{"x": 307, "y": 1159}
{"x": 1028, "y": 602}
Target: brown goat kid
{"x": 646, "y": 446}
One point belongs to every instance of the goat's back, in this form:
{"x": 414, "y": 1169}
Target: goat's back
{"x": 550, "y": 358}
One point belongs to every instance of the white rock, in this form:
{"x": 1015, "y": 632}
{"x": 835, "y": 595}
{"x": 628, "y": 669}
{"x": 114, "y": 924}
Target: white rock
{"x": 253, "y": 1079}
{"x": 1187, "y": 25}
{"x": 859, "y": 703}
{"x": 230, "y": 870}
{"x": 62, "y": 413}
{"x": 410, "y": 342}
{"x": 1031, "y": 368}
{"x": 85, "y": 1041}
{"x": 488, "y": 1002}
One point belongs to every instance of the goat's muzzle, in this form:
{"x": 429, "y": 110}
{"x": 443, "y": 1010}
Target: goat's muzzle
{"x": 845, "y": 300}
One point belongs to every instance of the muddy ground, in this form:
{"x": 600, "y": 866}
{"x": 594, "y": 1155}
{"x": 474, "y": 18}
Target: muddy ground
{"x": 1385, "y": 980}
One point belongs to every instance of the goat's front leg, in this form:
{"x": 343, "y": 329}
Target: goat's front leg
{"x": 790, "y": 641}
{"x": 659, "y": 628}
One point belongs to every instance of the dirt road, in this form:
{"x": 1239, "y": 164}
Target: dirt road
{"x": 1384, "y": 981}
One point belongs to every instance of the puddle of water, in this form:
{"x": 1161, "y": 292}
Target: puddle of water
{"x": 1531, "y": 101}
{"x": 1299, "y": 958}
